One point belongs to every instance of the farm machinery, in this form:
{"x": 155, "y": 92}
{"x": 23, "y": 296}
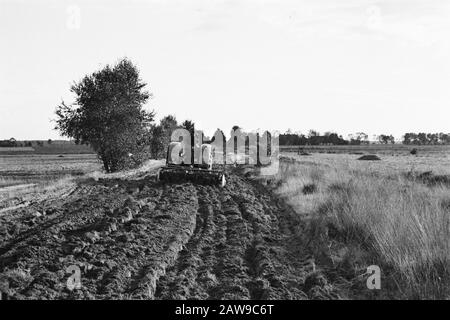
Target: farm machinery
{"x": 195, "y": 159}
{"x": 197, "y": 167}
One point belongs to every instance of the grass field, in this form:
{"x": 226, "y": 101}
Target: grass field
{"x": 23, "y": 174}
{"x": 55, "y": 148}
{"x": 384, "y": 149}
{"x": 384, "y": 212}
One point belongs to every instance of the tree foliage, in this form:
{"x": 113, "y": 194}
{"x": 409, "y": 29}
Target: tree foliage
{"x": 423, "y": 138}
{"x": 358, "y": 138}
{"x": 108, "y": 114}
{"x": 189, "y": 126}
{"x": 156, "y": 142}
{"x": 385, "y": 139}
{"x": 313, "y": 138}
{"x": 160, "y": 136}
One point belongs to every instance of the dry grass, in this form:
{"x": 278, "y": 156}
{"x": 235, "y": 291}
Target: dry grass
{"x": 374, "y": 210}
{"x": 21, "y": 195}
{"x": 148, "y": 167}
{"x": 26, "y": 177}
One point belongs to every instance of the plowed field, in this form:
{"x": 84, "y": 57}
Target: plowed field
{"x": 137, "y": 238}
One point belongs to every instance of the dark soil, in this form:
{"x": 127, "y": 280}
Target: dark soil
{"x": 309, "y": 188}
{"x": 142, "y": 239}
{"x": 370, "y": 157}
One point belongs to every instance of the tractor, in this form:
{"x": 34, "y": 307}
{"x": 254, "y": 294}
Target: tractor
{"x": 200, "y": 170}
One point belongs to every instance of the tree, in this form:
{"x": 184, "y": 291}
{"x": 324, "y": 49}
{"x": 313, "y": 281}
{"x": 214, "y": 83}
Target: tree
{"x": 433, "y": 138}
{"x": 384, "y": 138}
{"x": 334, "y": 139}
{"x": 422, "y": 138}
{"x": 362, "y": 137}
{"x": 409, "y": 138}
{"x": 160, "y": 136}
{"x": 313, "y": 133}
{"x": 156, "y": 140}
{"x": 358, "y": 138}
{"x": 169, "y": 122}
{"x": 49, "y": 141}
{"x": 189, "y": 126}
{"x": 108, "y": 114}
{"x": 168, "y": 125}
{"x": 444, "y": 138}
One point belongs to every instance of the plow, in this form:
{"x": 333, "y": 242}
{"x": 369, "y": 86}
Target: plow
{"x": 201, "y": 171}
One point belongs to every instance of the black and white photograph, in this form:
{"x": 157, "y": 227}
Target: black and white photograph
{"x": 224, "y": 156}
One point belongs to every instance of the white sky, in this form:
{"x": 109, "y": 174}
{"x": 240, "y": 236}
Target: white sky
{"x": 342, "y": 65}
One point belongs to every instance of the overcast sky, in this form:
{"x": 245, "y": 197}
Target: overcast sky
{"x": 342, "y": 65}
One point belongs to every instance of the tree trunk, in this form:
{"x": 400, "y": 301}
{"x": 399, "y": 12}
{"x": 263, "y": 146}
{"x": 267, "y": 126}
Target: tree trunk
{"x": 106, "y": 166}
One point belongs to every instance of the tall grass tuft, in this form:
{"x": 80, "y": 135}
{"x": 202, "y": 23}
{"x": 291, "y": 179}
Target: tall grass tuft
{"x": 402, "y": 225}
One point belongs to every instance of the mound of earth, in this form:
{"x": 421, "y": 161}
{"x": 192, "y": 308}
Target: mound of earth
{"x": 142, "y": 239}
{"x": 370, "y": 157}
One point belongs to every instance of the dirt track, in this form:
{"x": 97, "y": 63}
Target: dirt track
{"x": 141, "y": 239}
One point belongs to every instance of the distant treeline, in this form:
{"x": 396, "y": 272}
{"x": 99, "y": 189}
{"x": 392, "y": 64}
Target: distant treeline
{"x": 292, "y": 139}
{"x": 11, "y": 143}
{"x": 423, "y": 138}
{"x": 314, "y": 138}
